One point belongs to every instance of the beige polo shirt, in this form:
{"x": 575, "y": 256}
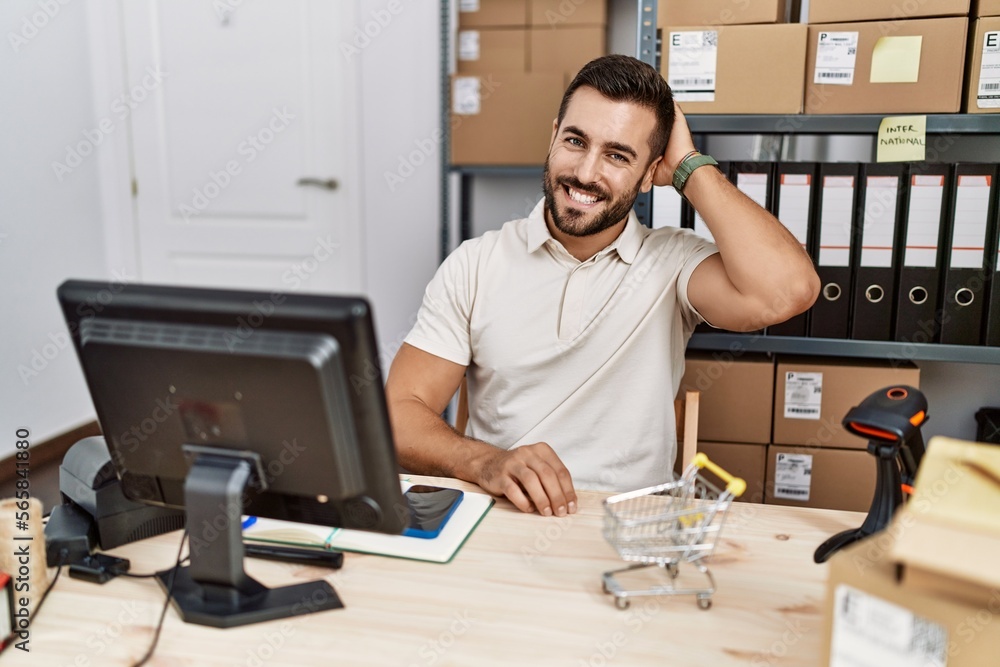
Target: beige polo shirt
{"x": 586, "y": 356}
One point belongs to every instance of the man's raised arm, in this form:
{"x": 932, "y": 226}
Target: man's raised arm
{"x": 761, "y": 275}
{"x": 419, "y": 387}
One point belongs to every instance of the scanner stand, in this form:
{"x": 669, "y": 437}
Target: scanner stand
{"x": 214, "y": 589}
{"x": 888, "y": 496}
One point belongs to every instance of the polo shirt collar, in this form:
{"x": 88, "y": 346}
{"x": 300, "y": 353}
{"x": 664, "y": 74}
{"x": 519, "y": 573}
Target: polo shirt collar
{"x": 627, "y": 244}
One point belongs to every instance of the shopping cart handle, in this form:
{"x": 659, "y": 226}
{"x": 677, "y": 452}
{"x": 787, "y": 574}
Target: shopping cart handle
{"x": 734, "y": 485}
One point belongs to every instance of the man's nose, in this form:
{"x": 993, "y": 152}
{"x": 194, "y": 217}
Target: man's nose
{"x": 588, "y": 168}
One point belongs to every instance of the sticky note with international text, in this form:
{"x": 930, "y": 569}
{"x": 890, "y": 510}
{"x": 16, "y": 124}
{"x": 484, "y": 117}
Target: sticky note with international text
{"x": 902, "y": 139}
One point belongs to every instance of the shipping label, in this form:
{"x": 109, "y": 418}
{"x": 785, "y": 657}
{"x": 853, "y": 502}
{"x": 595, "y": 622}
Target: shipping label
{"x": 989, "y": 73}
{"x": 793, "y": 476}
{"x": 691, "y": 71}
{"x": 835, "y": 56}
{"x": 803, "y": 395}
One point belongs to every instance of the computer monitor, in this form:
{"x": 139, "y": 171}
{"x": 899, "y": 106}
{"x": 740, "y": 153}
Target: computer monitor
{"x": 227, "y": 403}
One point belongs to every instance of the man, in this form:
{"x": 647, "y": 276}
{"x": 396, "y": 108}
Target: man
{"x": 571, "y": 324}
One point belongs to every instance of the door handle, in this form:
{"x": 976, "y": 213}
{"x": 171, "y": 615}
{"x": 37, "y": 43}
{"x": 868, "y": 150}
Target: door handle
{"x": 328, "y": 184}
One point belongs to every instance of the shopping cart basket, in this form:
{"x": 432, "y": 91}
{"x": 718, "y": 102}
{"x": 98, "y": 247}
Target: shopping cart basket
{"x": 666, "y": 524}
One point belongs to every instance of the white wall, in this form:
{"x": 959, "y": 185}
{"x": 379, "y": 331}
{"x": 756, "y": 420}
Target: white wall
{"x": 48, "y": 229}
{"x": 53, "y": 87}
{"x": 401, "y": 119}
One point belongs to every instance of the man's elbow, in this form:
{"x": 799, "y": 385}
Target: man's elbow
{"x": 801, "y": 294}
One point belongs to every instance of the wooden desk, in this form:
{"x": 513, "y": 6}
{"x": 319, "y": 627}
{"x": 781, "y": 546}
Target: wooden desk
{"x": 524, "y": 590}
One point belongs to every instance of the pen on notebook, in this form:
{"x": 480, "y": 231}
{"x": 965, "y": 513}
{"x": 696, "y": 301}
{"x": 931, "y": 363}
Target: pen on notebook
{"x": 249, "y": 521}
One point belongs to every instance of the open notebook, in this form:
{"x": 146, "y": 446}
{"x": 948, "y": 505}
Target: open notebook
{"x": 440, "y": 549}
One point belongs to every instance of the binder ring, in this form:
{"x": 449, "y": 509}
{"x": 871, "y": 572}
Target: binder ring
{"x": 918, "y": 295}
{"x": 874, "y": 293}
{"x": 831, "y": 291}
{"x": 965, "y": 297}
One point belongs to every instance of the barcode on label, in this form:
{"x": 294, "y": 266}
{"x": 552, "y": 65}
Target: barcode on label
{"x": 929, "y": 639}
{"x": 803, "y": 411}
{"x": 692, "y": 82}
{"x": 792, "y": 491}
{"x": 989, "y": 86}
{"x": 834, "y": 75}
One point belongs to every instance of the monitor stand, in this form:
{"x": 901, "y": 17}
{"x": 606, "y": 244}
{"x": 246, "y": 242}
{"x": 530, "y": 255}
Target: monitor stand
{"x": 214, "y": 589}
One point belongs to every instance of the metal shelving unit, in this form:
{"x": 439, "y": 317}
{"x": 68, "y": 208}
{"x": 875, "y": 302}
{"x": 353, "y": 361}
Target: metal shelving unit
{"x": 632, "y": 29}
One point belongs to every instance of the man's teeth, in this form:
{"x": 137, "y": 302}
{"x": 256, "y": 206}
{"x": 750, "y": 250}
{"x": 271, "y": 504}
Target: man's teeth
{"x": 580, "y": 197}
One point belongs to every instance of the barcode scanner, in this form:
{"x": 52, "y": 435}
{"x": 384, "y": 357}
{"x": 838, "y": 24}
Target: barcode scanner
{"x": 891, "y": 419}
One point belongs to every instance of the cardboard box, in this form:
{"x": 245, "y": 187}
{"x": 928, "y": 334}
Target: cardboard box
{"x": 564, "y": 50}
{"x": 753, "y": 69}
{"x": 736, "y": 400}
{"x": 720, "y": 12}
{"x": 808, "y": 409}
{"x": 836, "y": 479}
{"x": 489, "y": 50}
{"x": 558, "y": 13}
{"x": 517, "y": 107}
{"x": 842, "y": 11}
{"x": 745, "y": 460}
{"x": 492, "y": 13}
{"x": 899, "y": 67}
{"x": 953, "y": 626}
{"x": 985, "y": 8}
{"x": 986, "y": 100}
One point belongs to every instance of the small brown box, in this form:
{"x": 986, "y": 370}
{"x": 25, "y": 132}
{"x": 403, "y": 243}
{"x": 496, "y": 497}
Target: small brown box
{"x": 564, "y": 50}
{"x": 900, "y": 67}
{"x": 520, "y": 107}
{"x": 866, "y": 575}
{"x": 985, "y": 45}
{"x": 841, "y": 11}
{"x": 558, "y": 13}
{"x": 489, "y": 50}
{"x": 493, "y": 13}
{"x": 811, "y": 397}
{"x": 985, "y": 8}
{"x": 836, "y": 479}
{"x": 720, "y": 12}
{"x": 759, "y": 69}
{"x": 736, "y": 398}
{"x": 745, "y": 460}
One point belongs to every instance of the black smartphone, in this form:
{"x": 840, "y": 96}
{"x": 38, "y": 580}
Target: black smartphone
{"x": 430, "y": 508}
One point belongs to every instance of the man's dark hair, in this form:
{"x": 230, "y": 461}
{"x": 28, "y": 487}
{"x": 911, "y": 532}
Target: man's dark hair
{"x": 626, "y": 79}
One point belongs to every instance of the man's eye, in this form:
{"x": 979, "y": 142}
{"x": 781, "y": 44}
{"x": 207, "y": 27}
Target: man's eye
{"x": 574, "y": 141}
{"x": 618, "y": 157}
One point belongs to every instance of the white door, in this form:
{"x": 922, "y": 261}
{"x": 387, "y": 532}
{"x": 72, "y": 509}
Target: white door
{"x": 244, "y": 148}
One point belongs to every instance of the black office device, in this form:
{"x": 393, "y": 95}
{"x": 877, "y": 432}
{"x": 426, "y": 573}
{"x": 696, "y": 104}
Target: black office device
{"x": 891, "y": 419}
{"x": 227, "y": 403}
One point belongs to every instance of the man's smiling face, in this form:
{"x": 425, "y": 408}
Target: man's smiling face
{"x": 598, "y": 162}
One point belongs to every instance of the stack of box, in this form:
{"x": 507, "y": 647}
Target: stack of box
{"x": 514, "y": 60}
{"x": 885, "y": 56}
{"x": 733, "y": 56}
{"x": 778, "y": 424}
{"x": 982, "y": 80}
{"x": 814, "y": 461}
{"x": 734, "y": 413}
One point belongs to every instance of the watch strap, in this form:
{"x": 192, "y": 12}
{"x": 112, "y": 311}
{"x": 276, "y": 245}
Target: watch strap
{"x": 687, "y": 167}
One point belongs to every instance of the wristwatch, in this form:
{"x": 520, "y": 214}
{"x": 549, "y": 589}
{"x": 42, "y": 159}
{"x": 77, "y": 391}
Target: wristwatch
{"x": 687, "y": 166}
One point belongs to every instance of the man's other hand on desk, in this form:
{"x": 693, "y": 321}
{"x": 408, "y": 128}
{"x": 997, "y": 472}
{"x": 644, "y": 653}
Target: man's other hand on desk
{"x": 531, "y": 476}
{"x": 419, "y": 387}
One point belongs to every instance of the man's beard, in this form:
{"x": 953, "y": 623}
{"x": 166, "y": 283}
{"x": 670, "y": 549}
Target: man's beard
{"x": 574, "y": 222}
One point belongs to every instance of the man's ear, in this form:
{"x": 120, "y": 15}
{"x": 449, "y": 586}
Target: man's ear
{"x": 647, "y": 178}
{"x": 555, "y": 131}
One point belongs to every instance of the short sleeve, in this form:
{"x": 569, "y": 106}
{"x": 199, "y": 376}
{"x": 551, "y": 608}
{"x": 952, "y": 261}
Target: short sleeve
{"x": 442, "y": 326}
{"x": 696, "y": 251}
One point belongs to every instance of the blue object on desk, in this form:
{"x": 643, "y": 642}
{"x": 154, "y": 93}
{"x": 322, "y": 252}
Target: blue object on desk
{"x": 249, "y": 521}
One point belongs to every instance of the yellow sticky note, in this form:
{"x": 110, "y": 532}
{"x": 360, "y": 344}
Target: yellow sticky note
{"x": 902, "y": 139}
{"x": 896, "y": 60}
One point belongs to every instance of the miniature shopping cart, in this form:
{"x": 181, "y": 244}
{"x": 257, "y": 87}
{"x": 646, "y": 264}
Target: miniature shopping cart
{"x": 665, "y": 525}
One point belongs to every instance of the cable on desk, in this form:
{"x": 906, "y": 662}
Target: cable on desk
{"x": 166, "y": 603}
{"x": 152, "y": 574}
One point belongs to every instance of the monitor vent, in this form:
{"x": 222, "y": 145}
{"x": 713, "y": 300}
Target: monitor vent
{"x": 241, "y": 339}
